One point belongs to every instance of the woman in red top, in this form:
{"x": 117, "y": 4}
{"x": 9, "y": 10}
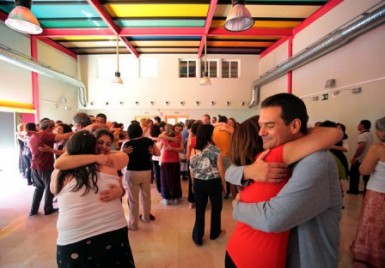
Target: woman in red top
{"x": 248, "y": 247}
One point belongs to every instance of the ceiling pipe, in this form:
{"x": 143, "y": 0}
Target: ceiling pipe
{"x": 327, "y": 44}
{"x": 13, "y": 57}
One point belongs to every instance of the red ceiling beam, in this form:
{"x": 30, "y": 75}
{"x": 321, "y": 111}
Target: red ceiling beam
{"x": 62, "y": 32}
{"x": 109, "y": 21}
{"x": 209, "y": 19}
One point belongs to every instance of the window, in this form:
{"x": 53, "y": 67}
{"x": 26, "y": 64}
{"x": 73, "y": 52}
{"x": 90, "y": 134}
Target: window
{"x": 212, "y": 68}
{"x": 187, "y": 68}
{"x": 230, "y": 69}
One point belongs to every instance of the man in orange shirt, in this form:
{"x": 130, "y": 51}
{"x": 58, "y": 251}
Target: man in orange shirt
{"x": 222, "y": 137}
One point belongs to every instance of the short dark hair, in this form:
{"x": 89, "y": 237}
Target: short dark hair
{"x": 102, "y": 115}
{"x": 366, "y": 124}
{"x": 154, "y": 131}
{"x": 292, "y": 107}
{"x": 30, "y": 126}
{"x": 45, "y": 124}
{"x": 204, "y": 134}
{"x": 134, "y": 131}
{"x": 82, "y": 119}
{"x": 222, "y": 118}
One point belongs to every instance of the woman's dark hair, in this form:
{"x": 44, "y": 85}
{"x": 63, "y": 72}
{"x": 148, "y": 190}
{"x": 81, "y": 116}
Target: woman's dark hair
{"x": 154, "y": 131}
{"x": 82, "y": 142}
{"x": 30, "y": 127}
{"x": 134, "y": 131}
{"x": 195, "y": 125}
{"x": 204, "y": 134}
{"x": 66, "y": 128}
{"x": 103, "y": 131}
{"x": 245, "y": 142}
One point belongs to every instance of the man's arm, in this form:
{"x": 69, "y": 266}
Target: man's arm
{"x": 308, "y": 193}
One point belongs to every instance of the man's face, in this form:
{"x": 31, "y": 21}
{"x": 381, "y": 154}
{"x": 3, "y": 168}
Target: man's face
{"x": 273, "y": 130}
{"x": 205, "y": 120}
{"x": 100, "y": 120}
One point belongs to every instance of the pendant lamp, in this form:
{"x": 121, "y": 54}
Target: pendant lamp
{"x": 22, "y": 20}
{"x": 205, "y": 80}
{"x": 239, "y": 19}
{"x": 117, "y": 78}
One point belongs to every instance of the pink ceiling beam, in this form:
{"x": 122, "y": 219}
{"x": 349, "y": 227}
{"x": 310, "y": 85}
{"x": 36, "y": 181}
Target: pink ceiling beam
{"x": 75, "y": 32}
{"x": 209, "y": 19}
{"x": 35, "y": 79}
{"x": 109, "y": 21}
{"x": 57, "y": 46}
{"x": 252, "y": 31}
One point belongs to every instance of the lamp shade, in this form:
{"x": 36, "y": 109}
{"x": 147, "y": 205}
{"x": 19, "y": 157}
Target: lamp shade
{"x": 22, "y": 20}
{"x": 205, "y": 80}
{"x": 117, "y": 79}
{"x": 239, "y": 19}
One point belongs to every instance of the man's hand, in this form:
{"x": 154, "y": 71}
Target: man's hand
{"x": 261, "y": 171}
{"x": 114, "y": 192}
{"x": 128, "y": 150}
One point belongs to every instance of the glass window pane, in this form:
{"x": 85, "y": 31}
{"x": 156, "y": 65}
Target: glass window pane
{"x": 192, "y": 69}
{"x": 183, "y": 69}
{"x": 213, "y": 70}
{"x": 234, "y": 69}
{"x": 225, "y": 69}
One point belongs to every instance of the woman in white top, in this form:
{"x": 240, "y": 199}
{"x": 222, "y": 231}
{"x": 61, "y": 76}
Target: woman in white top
{"x": 91, "y": 231}
{"x": 368, "y": 247}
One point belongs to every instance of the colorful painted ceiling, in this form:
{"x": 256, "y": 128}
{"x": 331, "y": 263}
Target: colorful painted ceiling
{"x": 84, "y": 27}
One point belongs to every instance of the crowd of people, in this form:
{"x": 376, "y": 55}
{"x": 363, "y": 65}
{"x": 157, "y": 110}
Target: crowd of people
{"x": 284, "y": 179}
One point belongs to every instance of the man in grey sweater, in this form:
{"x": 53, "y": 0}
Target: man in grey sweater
{"x": 309, "y": 205}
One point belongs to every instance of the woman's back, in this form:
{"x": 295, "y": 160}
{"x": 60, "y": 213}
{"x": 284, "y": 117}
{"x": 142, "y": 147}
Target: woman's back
{"x": 82, "y": 216}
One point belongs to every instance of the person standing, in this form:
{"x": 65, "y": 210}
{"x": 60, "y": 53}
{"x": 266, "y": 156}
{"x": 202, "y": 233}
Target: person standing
{"x": 138, "y": 174}
{"x": 206, "y": 169}
{"x": 222, "y": 137}
{"x": 364, "y": 140}
{"x": 309, "y": 204}
{"x": 368, "y": 246}
{"x": 41, "y": 146}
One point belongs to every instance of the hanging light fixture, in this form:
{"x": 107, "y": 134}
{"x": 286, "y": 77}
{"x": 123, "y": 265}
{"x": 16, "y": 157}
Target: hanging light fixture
{"x": 22, "y": 20}
{"x": 117, "y": 78}
{"x": 205, "y": 80}
{"x": 239, "y": 19}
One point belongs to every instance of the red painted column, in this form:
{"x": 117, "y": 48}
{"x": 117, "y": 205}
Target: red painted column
{"x": 35, "y": 80}
{"x": 290, "y": 73}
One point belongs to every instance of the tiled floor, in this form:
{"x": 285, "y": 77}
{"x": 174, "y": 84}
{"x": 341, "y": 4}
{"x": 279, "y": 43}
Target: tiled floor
{"x": 30, "y": 241}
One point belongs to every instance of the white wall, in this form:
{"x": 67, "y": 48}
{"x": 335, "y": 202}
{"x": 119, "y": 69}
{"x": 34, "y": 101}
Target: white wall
{"x": 169, "y": 87}
{"x": 58, "y": 100}
{"x": 358, "y": 63}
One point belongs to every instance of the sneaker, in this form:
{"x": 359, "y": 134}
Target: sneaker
{"x": 165, "y": 202}
{"x": 152, "y": 217}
